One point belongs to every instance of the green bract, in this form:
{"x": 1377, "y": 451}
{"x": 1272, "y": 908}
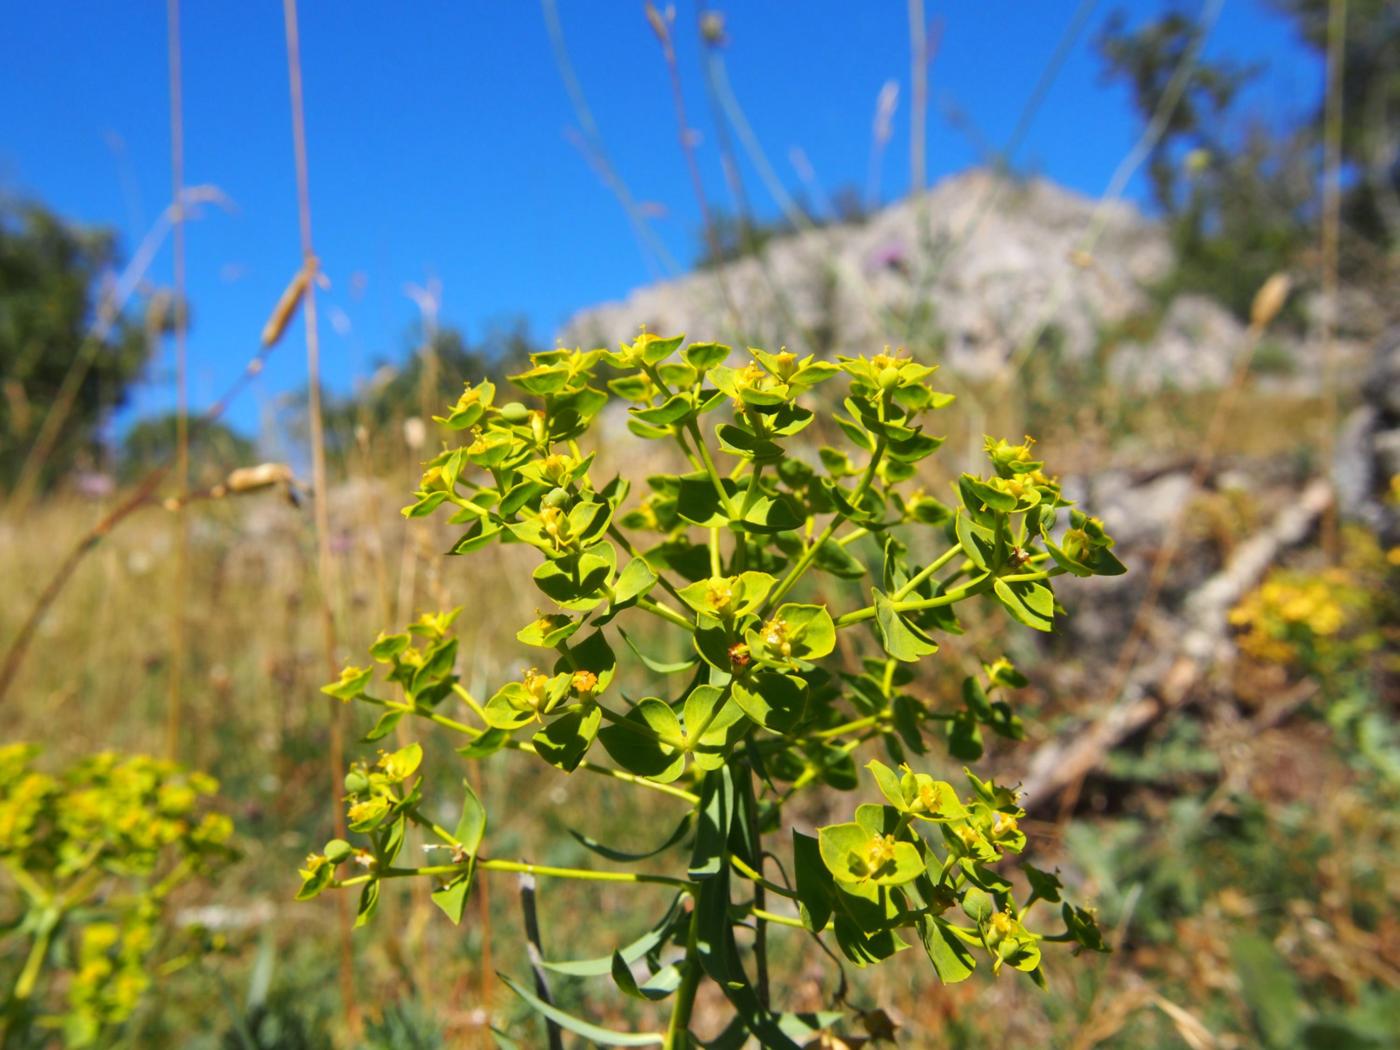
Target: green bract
{"x": 731, "y": 586}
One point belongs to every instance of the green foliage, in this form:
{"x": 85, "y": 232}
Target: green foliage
{"x": 759, "y": 706}
{"x": 50, "y": 275}
{"x": 91, "y": 853}
{"x": 1241, "y": 195}
{"x": 215, "y": 449}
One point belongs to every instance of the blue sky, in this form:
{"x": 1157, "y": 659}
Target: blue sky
{"x": 439, "y": 145}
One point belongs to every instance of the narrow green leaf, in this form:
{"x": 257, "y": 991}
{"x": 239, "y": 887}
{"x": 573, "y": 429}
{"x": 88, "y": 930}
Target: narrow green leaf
{"x": 586, "y": 1029}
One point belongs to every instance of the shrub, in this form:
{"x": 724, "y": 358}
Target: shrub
{"x": 92, "y": 853}
{"x": 715, "y": 555}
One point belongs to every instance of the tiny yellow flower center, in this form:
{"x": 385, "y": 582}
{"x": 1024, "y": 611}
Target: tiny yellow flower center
{"x": 775, "y": 636}
{"x": 880, "y": 852}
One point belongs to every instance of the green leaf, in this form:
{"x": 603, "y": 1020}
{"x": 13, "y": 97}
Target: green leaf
{"x": 674, "y": 409}
{"x": 975, "y": 697}
{"x": 853, "y": 855}
{"x": 480, "y": 535}
{"x": 369, "y": 903}
{"x": 643, "y": 945}
{"x": 471, "y": 826}
{"x": 809, "y": 628}
{"x": 655, "y": 988}
{"x": 978, "y": 905}
{"x": 814, "y": 884}
{"x": 566, "y": 739}
{"x": 426, "y": 505}
{"x": 738, "y": 441}
{"x": 574, "y": 584}
{"x": 888, "y": 782}
{"x": 698, "y": 502}
{"x": 510, "y": 708}
{"x": 1045, "y": 885}
{"x": 728, "y": 597}
{"x": 318, "y": 880}
{"x": 977, "y": 494}
{"x": 624, "y": 857}
{"x": 707, "y": 857}
{"x": 488, "y": 743}
{"x": 384, "y": 725}
{"x": 388, "y": 646}
{"x": 835, "y": 559}
{"x": 775, "y": 701}
{"x": 452, "y": 897}
{"x": 657, "y": 666}
{"x": 1028, "y": 602}
{"x": 549, "y": 630}
{"x": 592, "y": 1032}
{"x": 950, "y": 957}
{"x": 1083, "y": 927}
{"x": 770, "y": 514}
{"x": 975, "y": 541}
{"x": 899, "y": 638}
{"x": 648, "y": 741}
{"x": 704, "y": 356}
{"x": 713, "y": 722}
{"x": 635, "y": 581}
{"x": 964, "y": 737}
{"x": 350, "y": 684}
{"x": 592, "y": 654}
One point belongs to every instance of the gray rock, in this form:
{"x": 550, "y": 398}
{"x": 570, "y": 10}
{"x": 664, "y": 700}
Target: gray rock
{"x": 988, "y": 262}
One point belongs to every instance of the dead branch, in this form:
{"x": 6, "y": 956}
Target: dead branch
{"x": 1189, "y": 648}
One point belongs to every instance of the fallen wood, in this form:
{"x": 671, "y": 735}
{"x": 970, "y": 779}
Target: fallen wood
{"x": 1182, "y": 653}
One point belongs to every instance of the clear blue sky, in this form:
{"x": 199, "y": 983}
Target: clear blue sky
{"x": 439, "y": 147}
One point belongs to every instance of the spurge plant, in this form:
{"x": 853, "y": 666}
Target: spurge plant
{"x": 713, "y": 561}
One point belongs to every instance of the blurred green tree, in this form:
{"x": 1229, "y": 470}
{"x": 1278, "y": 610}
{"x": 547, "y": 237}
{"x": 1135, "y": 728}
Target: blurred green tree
{"x": 51, "y": 275}
{"x": 1242, "y": 197}
{"x": 430, "y": 375}
{"x": 215, "y": 449}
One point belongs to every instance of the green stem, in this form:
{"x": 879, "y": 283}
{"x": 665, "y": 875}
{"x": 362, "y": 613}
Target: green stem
{"x": 525, "y": 745}
{"x": 852, "y": 536}
{"x": 666, "y": 613}
{"x": 678, "y": 1028}
{"x": 927, "y": 571}
{"x": 809, "y": 555}
{"x": 957, "y": 594}
{"x": 431, "y": 716}
{"x": 753, "y": 876}
{"x": 751, "y": 493}
{"x": 519, "y": 867}
{"x": 980, "y": 585}
{"x": 755, "y": 847}
{"x": 710, "y": 468}
{"x": 38, "y": 952}
{"x": 774, "y": 917}
{"x": 618, "y": 774}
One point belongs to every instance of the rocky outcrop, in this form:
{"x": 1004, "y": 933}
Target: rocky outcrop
{"x": 968, "y": 272}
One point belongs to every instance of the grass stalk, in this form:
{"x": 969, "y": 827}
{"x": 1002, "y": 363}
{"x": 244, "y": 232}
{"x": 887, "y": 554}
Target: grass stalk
{"x": 180, "y": 590}
{"x": 325, "y": 564}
